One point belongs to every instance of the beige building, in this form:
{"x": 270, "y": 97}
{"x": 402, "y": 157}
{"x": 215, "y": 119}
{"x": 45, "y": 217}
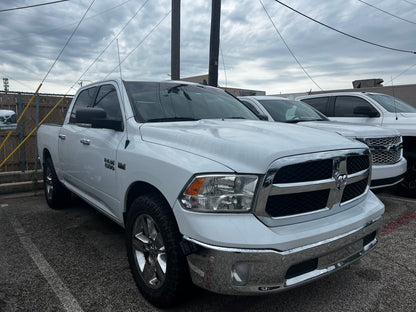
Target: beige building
{"x": 203, "y": 79}
{"x": 406, "y": 93}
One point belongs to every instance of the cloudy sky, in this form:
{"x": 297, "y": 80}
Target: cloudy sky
{"x": 253, "y": 55}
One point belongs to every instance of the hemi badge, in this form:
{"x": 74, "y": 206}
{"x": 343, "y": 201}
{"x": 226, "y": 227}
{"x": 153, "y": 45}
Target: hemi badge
{"x": 121, "y": 166}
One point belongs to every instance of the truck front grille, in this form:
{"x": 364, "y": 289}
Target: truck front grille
{"x": 320, "y": 183}
{"x": 385, "y": 151}
{"x": 290, "y": 204}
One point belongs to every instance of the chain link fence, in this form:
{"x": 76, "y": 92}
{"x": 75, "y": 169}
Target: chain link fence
{"x": 25, "y": 158}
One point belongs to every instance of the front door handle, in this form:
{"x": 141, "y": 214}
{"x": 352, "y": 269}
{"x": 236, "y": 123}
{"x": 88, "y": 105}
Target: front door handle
{"x": 85, "y": 141}
{"x": 62, "y": 136}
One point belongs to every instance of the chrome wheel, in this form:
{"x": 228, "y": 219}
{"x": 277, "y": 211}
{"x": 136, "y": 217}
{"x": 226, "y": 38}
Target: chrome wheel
{"x": 149, "y": 251}
{"x": 48, "y": 183}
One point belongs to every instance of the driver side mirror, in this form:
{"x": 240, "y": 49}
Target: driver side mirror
{"x": 97, "y": 118}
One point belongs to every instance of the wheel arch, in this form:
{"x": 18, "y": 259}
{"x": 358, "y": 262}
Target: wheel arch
{"x": 137, "y": 189}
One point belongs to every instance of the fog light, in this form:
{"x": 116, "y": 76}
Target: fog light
{"x": 240, "y": 273}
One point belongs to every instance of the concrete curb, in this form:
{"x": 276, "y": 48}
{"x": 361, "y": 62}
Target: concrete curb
{"x": 18, "y": 182}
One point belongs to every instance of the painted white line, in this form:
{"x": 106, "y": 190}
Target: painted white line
{"x": 64, "y": 295}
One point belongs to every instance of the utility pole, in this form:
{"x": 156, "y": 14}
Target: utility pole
{"x": 175, "y": 53}
{"x": 214, "y": 45}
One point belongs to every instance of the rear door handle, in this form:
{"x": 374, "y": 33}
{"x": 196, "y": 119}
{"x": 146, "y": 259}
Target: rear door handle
{"x": 85, "y": 141}
{"x": 62, "y": 136}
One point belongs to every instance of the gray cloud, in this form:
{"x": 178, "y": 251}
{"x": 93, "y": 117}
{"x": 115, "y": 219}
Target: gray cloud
{"x": 254, "y": 55}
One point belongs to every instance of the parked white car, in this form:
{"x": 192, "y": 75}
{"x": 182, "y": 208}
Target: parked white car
{"x": 385, "y": 144}
{"x": 207, "y": 192}
{"x": 374, "y": 109}
{"x": 7, "y": 120}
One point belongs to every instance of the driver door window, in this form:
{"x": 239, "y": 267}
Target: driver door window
{"x": 345, "y": 105}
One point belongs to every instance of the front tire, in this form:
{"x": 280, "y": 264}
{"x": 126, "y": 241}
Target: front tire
{"x": 56, "y": 195}
{"x": 156, "y": 260}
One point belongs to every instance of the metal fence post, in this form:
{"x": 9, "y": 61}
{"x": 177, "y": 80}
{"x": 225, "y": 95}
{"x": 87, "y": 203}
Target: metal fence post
{"x": 21, "y": 133}
{"x": 37, "y": 126}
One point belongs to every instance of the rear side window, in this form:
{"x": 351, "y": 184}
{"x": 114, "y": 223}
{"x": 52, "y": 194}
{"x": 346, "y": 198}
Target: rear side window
{"x": 320, "y": 103}
{"x": 107, "y": 99}
{"x": 84, "y": 99}
{"x": 345, "y": 106}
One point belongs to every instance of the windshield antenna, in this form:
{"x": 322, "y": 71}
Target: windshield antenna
{"x": 119, "y": 63}
{"x": 394, "y": 99}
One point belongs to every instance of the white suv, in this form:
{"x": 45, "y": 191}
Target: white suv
{"x": 374, "y": 109}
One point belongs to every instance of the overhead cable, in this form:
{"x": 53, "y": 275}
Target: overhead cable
{"x": 108, "y": 45}
{"x": 291, "y": 52}
{"x": 406, "y": 70}
{"x": 388, "y": 13}
{"x": 410, "y": 2}
{"x": 67, "y": 42}
{"x": 139, "y": 44}
{"x": 64, "y": 26}
{"x": 32, "y": 6}
{"x": 344, "y": 33}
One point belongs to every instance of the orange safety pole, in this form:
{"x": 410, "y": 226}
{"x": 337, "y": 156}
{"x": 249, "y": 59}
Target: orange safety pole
{"x": 20, "y": 117}
{"x": 31, "y": 132}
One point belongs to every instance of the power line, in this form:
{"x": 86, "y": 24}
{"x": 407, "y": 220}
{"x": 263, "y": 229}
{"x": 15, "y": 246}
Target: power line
{"x": 23, "y": 84}
{"x": 153, "y": 29}
{"x": 388, "y": 13}
{"x": 409, "y": 2}
{"x": 406, "y": 70}
{"x": 67, "y": 42}
{"x": 291, "y": 52}
{"x": 32, "y": 6}
{"x": 343, "y": 33}
{"x": 108, "y": 45}
{"x": 64, "y": 26}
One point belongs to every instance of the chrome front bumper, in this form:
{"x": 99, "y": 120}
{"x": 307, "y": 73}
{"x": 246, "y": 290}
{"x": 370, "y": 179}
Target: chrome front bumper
{"x": 251, "y": 271}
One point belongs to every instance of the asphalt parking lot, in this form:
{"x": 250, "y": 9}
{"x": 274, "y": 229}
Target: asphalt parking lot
{"x": 74, "y": 260}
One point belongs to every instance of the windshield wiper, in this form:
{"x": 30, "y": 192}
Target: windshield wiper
{"x": 166, "y": 119}
{"x": 302, "y": 120}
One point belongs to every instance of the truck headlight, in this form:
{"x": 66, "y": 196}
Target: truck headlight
{"x": 220, "y": 193}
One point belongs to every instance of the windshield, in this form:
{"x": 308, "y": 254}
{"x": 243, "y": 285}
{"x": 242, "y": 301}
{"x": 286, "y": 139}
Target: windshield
{"x": 291, "y": 111}
{"x": 159, "y": 102}
{"x": 392, "y": 104}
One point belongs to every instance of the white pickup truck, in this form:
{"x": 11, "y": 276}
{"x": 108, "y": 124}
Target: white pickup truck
{"x": 207, "y": 192}
{"x": 389, "y": 165}
{"x": 374, "y": 109}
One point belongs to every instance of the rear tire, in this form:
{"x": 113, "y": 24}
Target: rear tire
{"x": 156, "y": 260}
{"x": 57, "y": 196}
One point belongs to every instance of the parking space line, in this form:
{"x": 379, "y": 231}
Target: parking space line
{"x": 64, "y": 295}
{"x": 392, "y": 226}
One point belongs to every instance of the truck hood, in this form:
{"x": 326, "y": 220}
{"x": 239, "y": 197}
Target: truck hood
{"x": 351, "y": 130}
{"x": 245, "y": 146}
